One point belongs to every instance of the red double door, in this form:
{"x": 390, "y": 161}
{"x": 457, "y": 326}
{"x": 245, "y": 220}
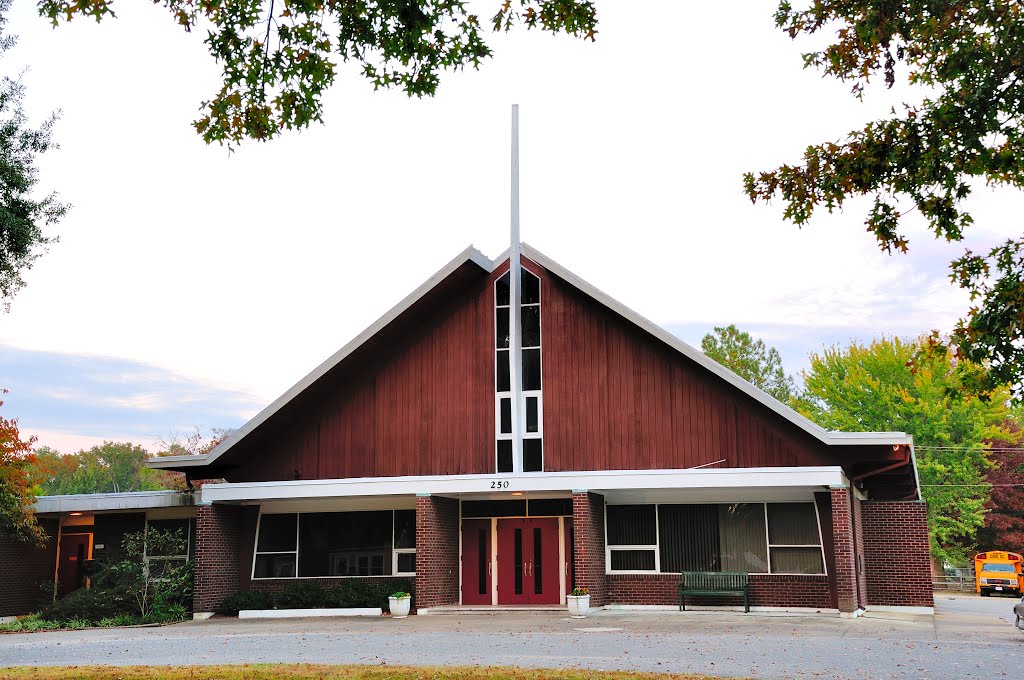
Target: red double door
{"x": 527, "y": 559}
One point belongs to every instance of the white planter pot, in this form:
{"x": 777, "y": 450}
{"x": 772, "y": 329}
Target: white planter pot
{"x": 399, "y": 606}
{"x": 579, "y": 605}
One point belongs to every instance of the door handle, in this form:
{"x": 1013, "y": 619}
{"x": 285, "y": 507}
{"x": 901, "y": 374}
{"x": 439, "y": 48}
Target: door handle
{"x": 488, "y": 568}
{"x": 530, "y": 572}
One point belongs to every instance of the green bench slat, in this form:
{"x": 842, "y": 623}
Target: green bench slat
{"x": 732, "y": 583}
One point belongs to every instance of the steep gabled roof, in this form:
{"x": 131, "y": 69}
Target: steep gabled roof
{"x": 474, "y": 259}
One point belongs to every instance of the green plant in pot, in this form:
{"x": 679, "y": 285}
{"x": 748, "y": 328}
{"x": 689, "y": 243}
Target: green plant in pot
{"x": 399, "y": 604}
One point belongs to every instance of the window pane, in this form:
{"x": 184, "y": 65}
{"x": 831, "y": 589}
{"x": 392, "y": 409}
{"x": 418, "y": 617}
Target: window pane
{"x": 502, "y": 380}
{"x": 518, "y": 559}
{"x": 501, "y": 330}
{"x": 531, "y": 369}
{"x": 345, "y": 543}
{"x": 504, "y": 455}
{"x": 405, "y": 528}
{"x": 550, "y": 507}
{"x": 797, "y": 561}
{"x": 632, "y": 560}
{"x": 631, "y": 525}
{"x": 505, "y": 406}
{"x": 501, "y": 290}
{"x": 275, "y": 566}
{"x": 743, "y": 541}
{"x": 533, "y": 455}
{"x": 531, "y": 326}
{"x": 532, "y": 414}
{"x": 792, "y": 524}
{"x": 277, "y": 533}
{"x": 173, "y": 547}
{"x": 531, "y": 288}
{"x": 406, "y": 563}
{"x": 688, "y": 538}
{"x": 494, "y": 508}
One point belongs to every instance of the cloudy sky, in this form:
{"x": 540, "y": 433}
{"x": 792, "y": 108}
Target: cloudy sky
{"x": 192, "y": 286}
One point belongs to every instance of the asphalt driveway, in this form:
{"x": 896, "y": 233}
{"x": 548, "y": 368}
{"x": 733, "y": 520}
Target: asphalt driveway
{"x": 968, "y": 638}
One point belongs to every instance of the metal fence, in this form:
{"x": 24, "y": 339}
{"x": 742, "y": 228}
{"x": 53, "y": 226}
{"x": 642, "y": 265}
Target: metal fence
{"x": 963, "y": 584}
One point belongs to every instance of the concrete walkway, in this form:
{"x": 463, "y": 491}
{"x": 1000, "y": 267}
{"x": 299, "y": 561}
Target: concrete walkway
{"x": 968, "y": 638}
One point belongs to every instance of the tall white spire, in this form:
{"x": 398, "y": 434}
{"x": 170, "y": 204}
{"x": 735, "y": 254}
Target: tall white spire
{"x": 516, "y": 296}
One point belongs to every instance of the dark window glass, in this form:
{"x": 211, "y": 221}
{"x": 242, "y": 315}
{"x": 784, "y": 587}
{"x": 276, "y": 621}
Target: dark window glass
{"x": 792, "y": 524}
{"x": 501, "y": 333}
{"x": 531, "y": 369}
{"x": 277, "y": 533}
{"x": 405, "y": 528}
{"x": 531, "y": 288}
{"x": 504, "y": 455}
{"x": 688, "y": 538}
{"x": 506, "y": 416}
{"x": 538, "y": 562}
{"x": 501, "y": 290}
{"x": 345, "y": 543}
{"x": 180, "y": 526}
{"x": 797, "y": 561}
{"x": 533, "y": 455}
{"x": 531, "y": 326}
{"x": 494, "y": 508}
{"x": 407, "y": 563}
{"x": 502, "y": 379}
{"x": 632, "y": 560}
{"x": 482, "y": 557}
{"x": 631, "y": 525}
{"x": 742, "y": 538}
{"x": 275, "y": 566}
{"x": 531, "y": 414}
{"x": 518, "y": 560}
{"x": 550, "y": 507}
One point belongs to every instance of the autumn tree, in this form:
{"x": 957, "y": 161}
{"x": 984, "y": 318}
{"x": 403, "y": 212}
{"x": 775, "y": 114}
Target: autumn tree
{"x": 279, "y": 56}
{"x": 17, "y": 500}
{"x": 751, "y": 359}
{"x": 871, "y": 388}
{"x": 964, "y": 60}
{"x": 1004, "y": 522}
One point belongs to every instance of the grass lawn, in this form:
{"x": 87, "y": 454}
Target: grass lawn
{"x": 317, "y": 672}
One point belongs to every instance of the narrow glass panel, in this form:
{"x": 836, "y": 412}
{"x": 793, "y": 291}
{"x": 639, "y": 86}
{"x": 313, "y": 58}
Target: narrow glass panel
{"x": 533, "y": 455}
{"x": 494, "y": 508}
{"x": 275, "y": 566}
{"x": 505, "y": 405}
{"x": 405, "y": 528}
{"x": 531, "y": 369}
{"x": 277, "y": 533}
{"x": 407, "y": 563}
{"x": 504, "y": 455}
{"x": 632, "y": 560}
{"x": 531, "y": 288}
{"x": 501, "y": 290}
{"x": 502, "y": 380}
{"x": 797, "y": 561}
{"x": 631, "y": 525}
{"x": 792, "y": 524}
{"x": 531, "y": 326}
{"x": 538, "y": 562}
{"x": 482, "y": 560}
{"x": 518, "y": 561}
{"x": 501, "y": 328}
{"x": 531, "y": 414}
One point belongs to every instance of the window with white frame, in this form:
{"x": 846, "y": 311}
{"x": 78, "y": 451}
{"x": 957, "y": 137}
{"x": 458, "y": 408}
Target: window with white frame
{"x": 317, "y": 544}
{"x": 757, "y": 538}
{"x": 176, "y": 551}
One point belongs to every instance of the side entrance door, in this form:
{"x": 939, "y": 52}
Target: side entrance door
{"x": 528, "y": 563}
{"x": 74, "y": 550}
{"x": 476, "y": 561}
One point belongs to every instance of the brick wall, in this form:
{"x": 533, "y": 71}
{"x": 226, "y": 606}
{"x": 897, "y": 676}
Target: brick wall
{"x": 23, "y": 567}
{"x": 589, "y": 553}
{"x": 896, "y": 553}
{"x": 765, "y": 591}
{"x": 220, "y": 556}
{"x": 843, "y": 541}
{"x": 437, "y": 551}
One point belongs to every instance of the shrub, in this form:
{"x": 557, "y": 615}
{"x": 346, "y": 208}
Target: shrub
{"x": 245, "y": 599}
{"x": 91, "y": 605}
{"x": 308, "y": 595}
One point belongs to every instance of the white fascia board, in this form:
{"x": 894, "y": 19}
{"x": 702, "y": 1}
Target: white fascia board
{"x": 105, "y": 502}
{"x": 470, "y": 254}
{"x": 597, "y": 481}
{"x": 815, "y": 430}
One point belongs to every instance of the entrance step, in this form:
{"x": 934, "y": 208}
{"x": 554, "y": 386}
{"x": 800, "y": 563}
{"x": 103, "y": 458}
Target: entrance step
{"x": 488, "y": 610}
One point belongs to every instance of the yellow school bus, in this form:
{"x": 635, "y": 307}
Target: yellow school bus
{"x": 998, "y": 571}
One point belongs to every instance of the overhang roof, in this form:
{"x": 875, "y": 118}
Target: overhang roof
{"x": 107, "y": 502}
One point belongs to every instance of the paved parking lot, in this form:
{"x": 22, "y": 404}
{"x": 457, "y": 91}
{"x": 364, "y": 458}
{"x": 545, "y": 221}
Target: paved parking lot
{"x": 968, "y": 638}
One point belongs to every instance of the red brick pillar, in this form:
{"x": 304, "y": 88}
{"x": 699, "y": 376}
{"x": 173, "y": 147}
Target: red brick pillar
{"x": 437, "y": 551}
{"x": 845, "y": 559}
{"x": 896, "y": 553}
{"x": 588, "y": 551}
{"x": 218, "y": 556}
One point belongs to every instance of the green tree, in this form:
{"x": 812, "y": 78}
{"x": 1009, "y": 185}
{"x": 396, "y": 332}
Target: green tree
{"x": 23, "y": 214}
{"x": 108, "y": 468}
{"x": 17, "y": 515}
{"x": 865, "y": 388}
{"x": 965, "y": 57}
{"x": 279, "y": 56}
{"x": 750, "y": 359}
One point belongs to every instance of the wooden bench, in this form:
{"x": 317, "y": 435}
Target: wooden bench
{"x": 714, "y": 583}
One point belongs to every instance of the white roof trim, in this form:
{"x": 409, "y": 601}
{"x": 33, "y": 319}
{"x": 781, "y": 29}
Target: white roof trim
{"x": 598, "y": 481}
{"x": 470, "y": 254}
{"x": 101, "y": 502}
{"x": 820, "y": 433}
